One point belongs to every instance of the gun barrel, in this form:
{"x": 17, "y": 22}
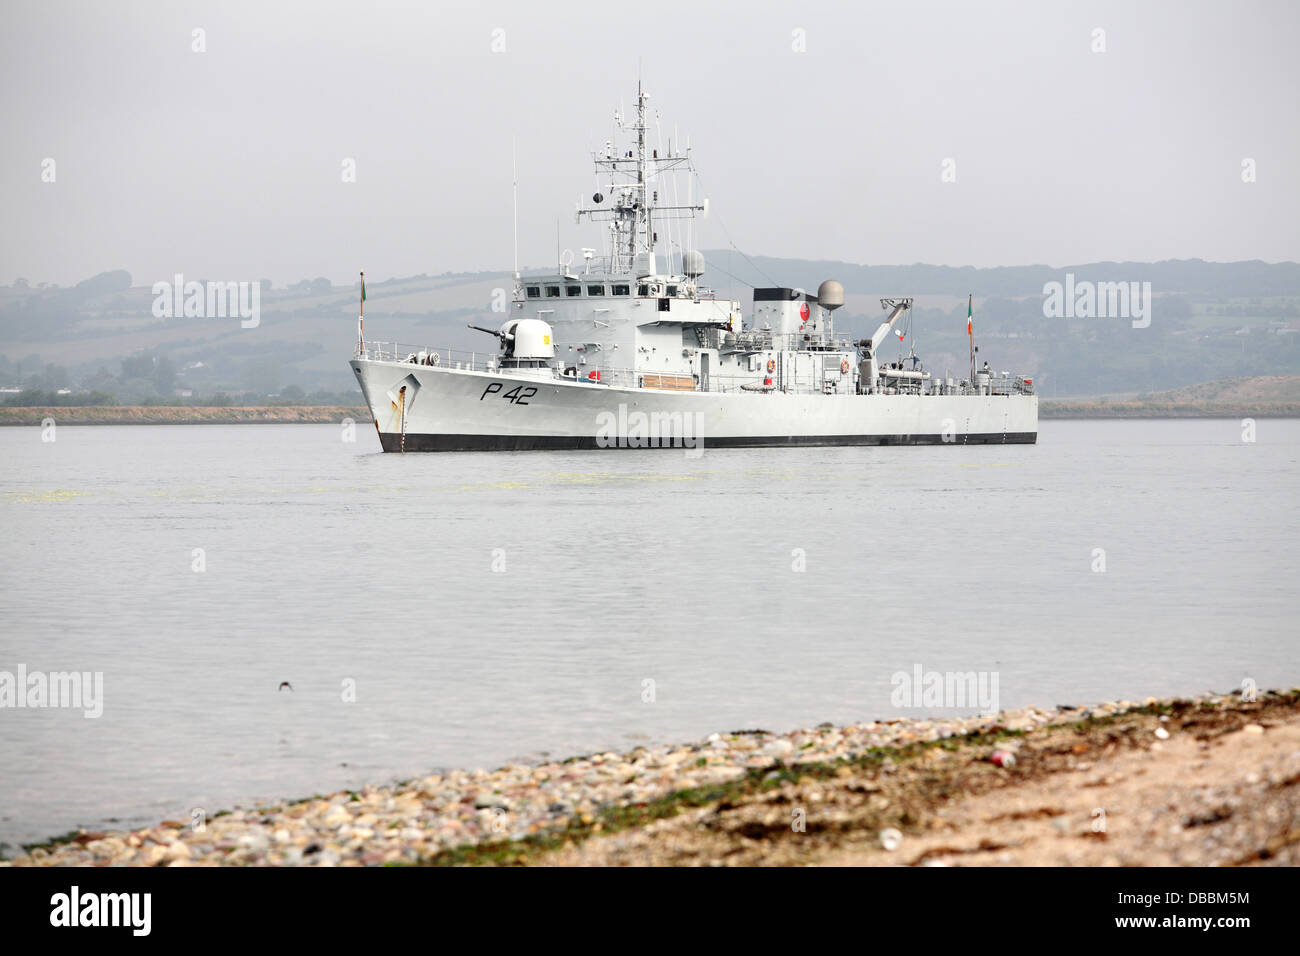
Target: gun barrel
{"x": 504, "y": 336}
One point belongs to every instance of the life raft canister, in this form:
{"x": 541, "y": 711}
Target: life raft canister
{"x": 844, "y": 366}
{"x": 771, "y": 366}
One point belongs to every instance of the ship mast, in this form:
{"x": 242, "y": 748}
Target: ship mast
{"x": 643, "y": 214}
{"x": 632, "y": 206}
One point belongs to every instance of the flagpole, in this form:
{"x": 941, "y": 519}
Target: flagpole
{"x": 361, "y": 318}
{"x": 970, "y": 332}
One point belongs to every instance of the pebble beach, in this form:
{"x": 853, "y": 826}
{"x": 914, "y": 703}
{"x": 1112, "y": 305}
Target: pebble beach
{"x": 448, "y": 818}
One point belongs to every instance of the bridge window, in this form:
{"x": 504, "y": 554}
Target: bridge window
{"x": 552, "y": 291}
{"x": 595, "y": 290}
{"x": 672, "y": 290}
{"x": 573, "y": 290}
{"x": 643, "y": 290}
{"x": 534, "y": 292}
{"x": 622, "y": 290}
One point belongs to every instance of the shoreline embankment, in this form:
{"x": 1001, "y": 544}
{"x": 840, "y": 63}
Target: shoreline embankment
{"x": 183, "y": 414}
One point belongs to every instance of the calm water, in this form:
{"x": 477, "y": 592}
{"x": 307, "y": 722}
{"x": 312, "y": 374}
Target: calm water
{"x": 327, "y": 562}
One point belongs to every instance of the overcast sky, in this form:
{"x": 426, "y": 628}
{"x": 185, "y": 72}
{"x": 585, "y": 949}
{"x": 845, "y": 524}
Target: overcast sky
{"x": 227, "y": 164}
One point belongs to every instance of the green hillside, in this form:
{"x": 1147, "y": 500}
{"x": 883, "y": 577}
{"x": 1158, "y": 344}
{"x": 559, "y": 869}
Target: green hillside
{"x": 1209, "y": 321}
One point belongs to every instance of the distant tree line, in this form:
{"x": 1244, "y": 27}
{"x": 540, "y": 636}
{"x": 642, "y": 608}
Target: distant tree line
{"x": 36, "y": 396}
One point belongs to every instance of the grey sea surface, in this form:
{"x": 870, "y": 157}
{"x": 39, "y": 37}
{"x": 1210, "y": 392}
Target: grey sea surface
{"x": 470, "y": 610}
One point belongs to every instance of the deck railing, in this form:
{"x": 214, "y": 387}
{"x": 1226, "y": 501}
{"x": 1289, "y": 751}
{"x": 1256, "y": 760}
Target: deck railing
{"x": 428, "y": 355}
{"x": 823, "y": 382}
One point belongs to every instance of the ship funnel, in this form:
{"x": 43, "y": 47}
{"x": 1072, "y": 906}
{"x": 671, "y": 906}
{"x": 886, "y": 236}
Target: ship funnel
{"x": 830, "y": 295}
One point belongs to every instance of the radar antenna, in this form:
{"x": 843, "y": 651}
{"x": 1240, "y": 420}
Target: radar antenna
{"x": 632, "y": 206}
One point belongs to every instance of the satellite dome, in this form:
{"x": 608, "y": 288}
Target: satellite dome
{"x": 693, "y": 263}
{"x": 830, "y": 295}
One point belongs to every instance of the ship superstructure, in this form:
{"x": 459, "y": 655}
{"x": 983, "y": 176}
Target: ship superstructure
{"x": 632, "y": 349}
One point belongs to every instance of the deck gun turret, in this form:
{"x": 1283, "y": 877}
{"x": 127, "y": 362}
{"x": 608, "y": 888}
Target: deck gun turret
{"x": 525, "y": 343}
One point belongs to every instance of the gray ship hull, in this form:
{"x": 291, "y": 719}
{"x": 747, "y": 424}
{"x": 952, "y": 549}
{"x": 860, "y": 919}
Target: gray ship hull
{"x": 422, "y": 408}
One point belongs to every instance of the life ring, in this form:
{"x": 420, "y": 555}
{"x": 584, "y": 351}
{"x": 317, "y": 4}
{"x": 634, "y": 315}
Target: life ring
{"x": 771, "y": 366}
{"x": 844, "y": 366}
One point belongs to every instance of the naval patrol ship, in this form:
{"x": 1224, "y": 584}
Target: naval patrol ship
{"x": 633, "y": 350}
